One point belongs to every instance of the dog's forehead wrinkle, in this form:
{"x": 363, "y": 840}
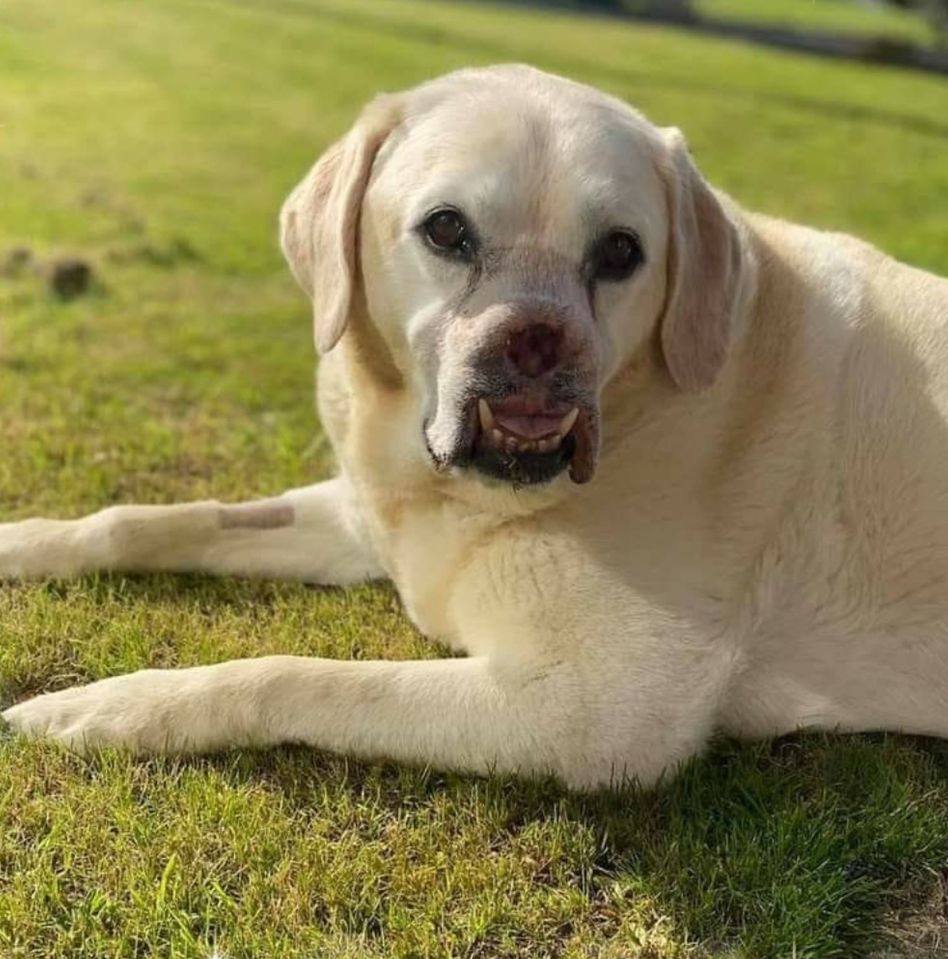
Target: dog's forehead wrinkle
{"x": 533, "y": 257}
{"x": 536, "y": 271}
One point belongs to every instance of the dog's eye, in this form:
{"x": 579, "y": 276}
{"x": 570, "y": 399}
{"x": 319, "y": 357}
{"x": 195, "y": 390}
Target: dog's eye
{"x": 446, "y": 230}
{"x": 618, "y": 255}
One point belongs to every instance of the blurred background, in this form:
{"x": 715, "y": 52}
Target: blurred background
{"x": 884, "y": 31}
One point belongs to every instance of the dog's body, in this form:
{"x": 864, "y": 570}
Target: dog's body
{"x": 764, "y": 545}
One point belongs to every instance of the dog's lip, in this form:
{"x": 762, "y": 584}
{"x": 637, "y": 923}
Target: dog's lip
{"x": 526, "y": 418}
{"x": 585, "y": 434}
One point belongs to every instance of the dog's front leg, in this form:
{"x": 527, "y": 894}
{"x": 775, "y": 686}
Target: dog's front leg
{"x": 517, "y": 715}
{"x": 311, "y": 534}
{"x": 467, "y": 714}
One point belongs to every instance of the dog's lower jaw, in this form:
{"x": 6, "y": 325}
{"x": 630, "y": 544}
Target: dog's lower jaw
{"x": 521, "y": 469}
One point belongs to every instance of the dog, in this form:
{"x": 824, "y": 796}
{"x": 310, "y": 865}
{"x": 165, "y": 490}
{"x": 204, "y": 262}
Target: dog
{"x": 660, "y": 468}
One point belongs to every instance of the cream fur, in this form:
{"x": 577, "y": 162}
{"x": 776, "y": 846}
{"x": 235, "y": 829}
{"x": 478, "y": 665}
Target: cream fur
{"x": 766, "y": 553}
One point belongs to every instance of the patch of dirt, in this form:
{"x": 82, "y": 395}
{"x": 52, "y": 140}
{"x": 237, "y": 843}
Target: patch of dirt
{"x": 70, "y": 277}
{"x": 919, "y": 930}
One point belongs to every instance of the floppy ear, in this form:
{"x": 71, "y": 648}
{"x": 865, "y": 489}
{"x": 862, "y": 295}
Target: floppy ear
{"x": 704, "y": 264}
{"x": 319, "y": 222}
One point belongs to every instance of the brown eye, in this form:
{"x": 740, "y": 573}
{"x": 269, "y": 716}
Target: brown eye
{"x": 446, "y": 230}
{"x": 618, "y": 255}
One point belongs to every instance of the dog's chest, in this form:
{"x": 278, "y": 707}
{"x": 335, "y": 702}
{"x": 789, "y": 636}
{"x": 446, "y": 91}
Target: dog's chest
{"x": 425, "y": 550}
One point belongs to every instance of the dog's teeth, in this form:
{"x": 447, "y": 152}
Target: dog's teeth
{"x": 567, "y": 423}
{"x": 486, "y": 415}
{"x": 507, "y": 443}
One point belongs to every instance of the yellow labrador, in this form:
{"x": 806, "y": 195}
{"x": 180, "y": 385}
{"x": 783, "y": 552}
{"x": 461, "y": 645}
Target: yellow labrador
{"x": 659, "y": 466}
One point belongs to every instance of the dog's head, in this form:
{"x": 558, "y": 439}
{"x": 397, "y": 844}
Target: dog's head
{"x": 515, "y": 238}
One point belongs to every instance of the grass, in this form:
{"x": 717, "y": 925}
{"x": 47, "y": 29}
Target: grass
{"x": 836, "y": 16}
{"x": 157, "y": 140}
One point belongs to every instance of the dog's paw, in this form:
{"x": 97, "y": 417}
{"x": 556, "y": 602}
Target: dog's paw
{"x": 13, "y": 551}
{"x": 141, "y": 712}
{"x": 39, "y": 548}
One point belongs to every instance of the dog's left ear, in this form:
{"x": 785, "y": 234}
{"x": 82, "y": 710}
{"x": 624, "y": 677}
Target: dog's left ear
{"x": 704, "y": 267}
{"x": 319, "y": 222}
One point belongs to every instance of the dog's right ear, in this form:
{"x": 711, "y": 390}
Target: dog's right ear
{"x": 319, "y": 222}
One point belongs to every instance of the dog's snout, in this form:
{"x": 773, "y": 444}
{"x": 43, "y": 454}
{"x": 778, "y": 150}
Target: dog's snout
{"x": 536, "y": 349}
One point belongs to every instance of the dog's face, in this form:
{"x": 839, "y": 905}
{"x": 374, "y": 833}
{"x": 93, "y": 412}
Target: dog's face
{"x": 519, "y": 238}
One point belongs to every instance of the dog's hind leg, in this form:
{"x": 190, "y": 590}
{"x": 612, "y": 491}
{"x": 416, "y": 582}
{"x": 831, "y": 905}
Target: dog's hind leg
{"x": 311, "y": 534}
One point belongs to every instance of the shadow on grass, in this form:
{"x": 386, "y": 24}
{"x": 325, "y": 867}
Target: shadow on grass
{"x": 800, "y": 846}
{"x": 183, "y": 589}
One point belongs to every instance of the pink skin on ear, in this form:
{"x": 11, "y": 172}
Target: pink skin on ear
{"x": 704, "y": 259}
{"x": 319, "y": 222}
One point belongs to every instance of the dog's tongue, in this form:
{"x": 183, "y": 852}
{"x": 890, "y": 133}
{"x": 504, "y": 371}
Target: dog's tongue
{"x": 586, "y": 435}
{"x": 534, "y": 427}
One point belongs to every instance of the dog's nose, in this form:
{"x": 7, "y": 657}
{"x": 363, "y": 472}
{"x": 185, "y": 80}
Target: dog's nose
{"x": 535, "y": 350}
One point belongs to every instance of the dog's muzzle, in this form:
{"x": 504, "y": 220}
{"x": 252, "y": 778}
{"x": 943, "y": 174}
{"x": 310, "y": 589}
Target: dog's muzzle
{"x": 529, "y": 409}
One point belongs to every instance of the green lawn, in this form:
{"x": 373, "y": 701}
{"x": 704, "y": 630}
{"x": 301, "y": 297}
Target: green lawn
{"x": 158, "y": 140}
{"x": 837, "y": 16}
